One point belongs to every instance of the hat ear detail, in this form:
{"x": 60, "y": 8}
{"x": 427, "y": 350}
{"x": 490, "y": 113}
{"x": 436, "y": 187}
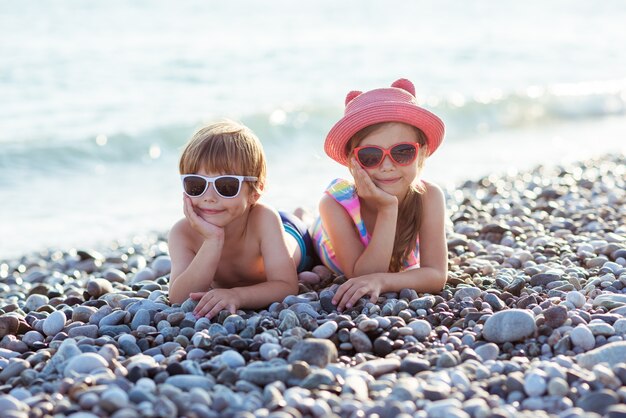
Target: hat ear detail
{"x": 350, "y": 96}
{"x": 404, "y": 84}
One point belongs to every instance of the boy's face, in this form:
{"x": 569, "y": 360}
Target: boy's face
{"x": 221, "y": 211}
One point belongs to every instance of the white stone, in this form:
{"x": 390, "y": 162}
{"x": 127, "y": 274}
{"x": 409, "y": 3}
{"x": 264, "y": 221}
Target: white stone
{"x": 54, "y": 323}
{"x": 582, "y": 337}
{"x": 84, "y": 364}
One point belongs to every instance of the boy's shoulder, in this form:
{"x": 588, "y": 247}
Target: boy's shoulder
{"x": 261, "y": 213}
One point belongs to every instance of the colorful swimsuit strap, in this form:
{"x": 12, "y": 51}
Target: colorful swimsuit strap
{"x": 344, "y": 193}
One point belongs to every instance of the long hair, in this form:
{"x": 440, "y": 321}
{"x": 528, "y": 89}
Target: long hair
{"x": 410, "y": 209}
{"x": 225, "y": 147}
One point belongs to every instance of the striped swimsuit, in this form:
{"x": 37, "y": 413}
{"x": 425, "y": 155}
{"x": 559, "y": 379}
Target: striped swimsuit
{"x": 344, "y": 193}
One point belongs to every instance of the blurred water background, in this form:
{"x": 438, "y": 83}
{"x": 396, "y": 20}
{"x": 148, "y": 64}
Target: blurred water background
{"x": 98, "y": 98}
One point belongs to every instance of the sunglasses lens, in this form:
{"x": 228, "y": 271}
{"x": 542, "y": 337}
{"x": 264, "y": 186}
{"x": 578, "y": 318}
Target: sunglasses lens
{"x": 227, "y": 186}
{"x": 194, "y": 186}
{"x": 403, "y": 154}
{"x": 370, "y": 156}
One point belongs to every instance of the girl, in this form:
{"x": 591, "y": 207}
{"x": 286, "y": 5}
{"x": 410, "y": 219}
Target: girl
{"x": 229, "y": 251}
{"x": 385, "y": 231}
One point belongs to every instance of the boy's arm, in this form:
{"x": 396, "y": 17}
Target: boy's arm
{"x": 432, "y": 274}
{"x": 191, "y": 272}
{"x": 280, "y": 270}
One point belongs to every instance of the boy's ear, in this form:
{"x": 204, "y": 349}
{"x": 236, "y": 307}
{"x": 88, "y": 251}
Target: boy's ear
{"x": 255, "y": 196}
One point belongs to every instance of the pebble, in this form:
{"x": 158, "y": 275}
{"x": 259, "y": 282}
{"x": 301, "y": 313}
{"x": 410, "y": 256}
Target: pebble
{"x": 314, "y": 351}
{"x": 54, "y": 323}
{"x": 582, "y": 337}
{"x": 509, "y": 326}
{"x": 531, "y": 323}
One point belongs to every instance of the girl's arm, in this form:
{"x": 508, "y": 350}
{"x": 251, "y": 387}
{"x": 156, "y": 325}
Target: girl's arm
{"x": 193, "y": 271}
{"x": 432, "y": 274}
{"x": 354, "y": 259}
{"x": 280, "y": 270}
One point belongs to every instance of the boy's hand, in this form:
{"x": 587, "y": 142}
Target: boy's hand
{"x": 350, "y": 292}
{"x": 367, "y": 190}
{"x": 214, "y": 301}
{"x": 204, "y": 228}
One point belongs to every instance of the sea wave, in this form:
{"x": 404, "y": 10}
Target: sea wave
{"x": 464, "y": 115}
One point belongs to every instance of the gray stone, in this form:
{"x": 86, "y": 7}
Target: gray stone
{"x": 379, "y": 366}
{"x": 161, "y": 265}
{"x": 232, "y": 359}
{"x": 326, "y": 330}
{"x": 421, "y": 329}
{"x": 84, "y": 364}
{"x": 114, "y": 318}
{"x": 486, "y": 352}
{"x": 188, "y": 381}
{"x": 360, "y": 341}
{"x": 611, "y": 353}
{"x": 264, "y": 375}
{"x": 509, "y": 326}
{"x": 316, "y": 352}
{"x": 467, "y": 292}
{"x": 89, "y": 331}
{"x": 35, "y": 301}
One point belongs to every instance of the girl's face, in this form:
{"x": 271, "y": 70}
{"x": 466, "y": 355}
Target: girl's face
{"x": 389, "y": 176}
{"x": 221, "y": 211}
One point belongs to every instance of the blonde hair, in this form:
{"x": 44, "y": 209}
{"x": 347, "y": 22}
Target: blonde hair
{"x": 410, "y": 209}
{"x": 225, "y": 147}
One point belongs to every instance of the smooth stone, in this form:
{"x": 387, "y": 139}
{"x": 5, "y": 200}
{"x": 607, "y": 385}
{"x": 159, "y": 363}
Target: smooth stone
{"x": 161, "y": 265}
{"x": 14, "y": 368}
{"x": 360, "y": 341}
{"x": 9, "y": 403}
{"x": 467, "y": 292}
{"x": 611, "y": 353}
{"x": 264, "y": 375}
{"x": 232, "y": 359}
{"x": 88, "y": 331}
{"x": 83, "y": 313}
{"x": 555, "y": 316}
{"x": 509, "y": 326}
{"x": 326, "y": 297}
{"x": 379, "y": 366}
{"x": 576, "y": 298}
{"x": 486, "y": 352}
{"x": 421, "y": 329}
{"x": 114, "y": 318}
{"x": 84, "y": 364}
{"x": 602, "y": 328}
{"x": 98, "y": 287}
{"x": 32, "y": 337}
{"x": 187, "y": 382}
{"x": 598, "y": 402}
{"x": 309, "y": 277}
{"x": 54, "y": 323}
{"x": 610, "y": 300}
{"x": 113, "y": 398}
{"x": 142, "y": 317}
{"x": 315, "y": 351}
{"x": 269, "y": 350}
{"x": 326, "y": 330}
{"x": 318, "y": 378}
{"x": 35, "y": 301}
{"x": 8, "y": 325}
{"x": 620, "y": 326}
{"x": 535, "y": 383}
{"x": 582, "y": 337}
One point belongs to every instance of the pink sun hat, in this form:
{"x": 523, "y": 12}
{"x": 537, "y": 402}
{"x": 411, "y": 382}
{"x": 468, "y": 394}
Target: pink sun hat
{"x": 391, "y": 104}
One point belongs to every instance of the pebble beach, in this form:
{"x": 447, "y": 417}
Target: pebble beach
{"x": 531, "y": 323}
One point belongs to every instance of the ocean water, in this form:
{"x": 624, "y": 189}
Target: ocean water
{"x": 98, "y": 98}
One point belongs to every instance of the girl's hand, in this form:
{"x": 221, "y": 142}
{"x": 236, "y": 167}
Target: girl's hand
{"x": 367, "y": 190}
{"x": 214, "y": 301}
{"x": 204, "y": 228}
{"x": 354, "y": 289}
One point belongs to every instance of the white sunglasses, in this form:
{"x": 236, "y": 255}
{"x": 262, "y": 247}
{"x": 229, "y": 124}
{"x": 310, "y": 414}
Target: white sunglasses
{"x": 226, "y": 186}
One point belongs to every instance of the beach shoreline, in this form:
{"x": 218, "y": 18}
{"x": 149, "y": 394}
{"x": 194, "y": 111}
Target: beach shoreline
{"x": 532, "y": 322}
